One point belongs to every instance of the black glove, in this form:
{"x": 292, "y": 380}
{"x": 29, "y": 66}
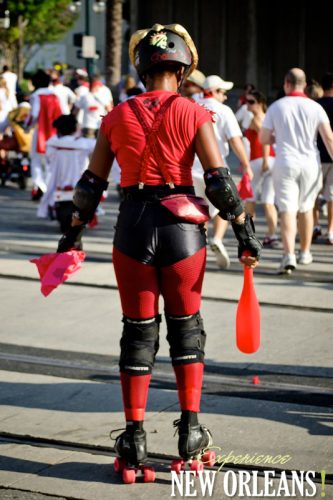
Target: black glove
{"x": 71, "y": 240}
{"x": 247, "y": 240}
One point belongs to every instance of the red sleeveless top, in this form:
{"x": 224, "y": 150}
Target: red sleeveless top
{"x": 255, "y": 144}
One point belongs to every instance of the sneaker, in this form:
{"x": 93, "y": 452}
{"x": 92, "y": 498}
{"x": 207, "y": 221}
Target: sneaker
{"x": 287, "y": 264}
{"x": 271, "y": 241}
{"x": 304, "y": 258}
{"x": 221, "y": 254}
{"x": 316, "y": 233}
{"x": 329, "y": 238}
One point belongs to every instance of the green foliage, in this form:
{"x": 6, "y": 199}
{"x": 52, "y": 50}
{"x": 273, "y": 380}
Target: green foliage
{"x": 43, "y": 20}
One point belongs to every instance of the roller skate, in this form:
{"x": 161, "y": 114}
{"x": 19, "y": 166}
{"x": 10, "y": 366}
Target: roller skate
{"x": 193, "y": 444}
{"x": 131, "y": 448}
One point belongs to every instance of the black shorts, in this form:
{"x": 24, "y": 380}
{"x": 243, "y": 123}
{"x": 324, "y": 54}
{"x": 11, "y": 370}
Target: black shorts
{"x": 151, "y": 234}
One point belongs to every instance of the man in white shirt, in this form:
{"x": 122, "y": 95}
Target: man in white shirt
{"x": 227, "y": 133}
{"x": 95, "y": 104}
{"x": 11, "y": 80}
{"x": 65, "y": 95}
{"x": 292, "y": 123}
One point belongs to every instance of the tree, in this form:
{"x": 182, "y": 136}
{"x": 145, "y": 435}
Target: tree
{"x": 113, "y": 42}
{"x": 34, "y": 22}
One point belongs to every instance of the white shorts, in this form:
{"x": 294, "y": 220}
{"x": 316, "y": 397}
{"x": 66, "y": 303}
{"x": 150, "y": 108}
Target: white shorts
{"x": 327, "y": 192}
{"x": 262, "y": 182}
{"x": 199, "y": 188}
{"x": 296, "y": 187}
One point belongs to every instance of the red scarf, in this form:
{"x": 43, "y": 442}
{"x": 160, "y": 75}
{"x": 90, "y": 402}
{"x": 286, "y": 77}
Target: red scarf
{"x": 208, "y": 93}
{"x": 296, "y": 93}
{"x": 50, "y": 110}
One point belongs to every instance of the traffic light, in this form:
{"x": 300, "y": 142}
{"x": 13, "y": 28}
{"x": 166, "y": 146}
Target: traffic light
{"x": 77, "y": 39}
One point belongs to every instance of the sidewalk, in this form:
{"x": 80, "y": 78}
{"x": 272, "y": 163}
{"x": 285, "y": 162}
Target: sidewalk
{"x": 55, "y": 423}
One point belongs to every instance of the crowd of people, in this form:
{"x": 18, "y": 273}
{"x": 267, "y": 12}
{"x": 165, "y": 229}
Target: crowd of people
{"x": 266, "y": 146}
{"x": 278, "y": 149}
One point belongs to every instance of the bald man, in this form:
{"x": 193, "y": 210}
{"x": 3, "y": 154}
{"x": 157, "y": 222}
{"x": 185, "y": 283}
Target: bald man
{"x": 292, "y": 123}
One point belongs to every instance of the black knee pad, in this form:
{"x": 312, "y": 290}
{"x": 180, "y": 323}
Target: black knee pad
{"x": 138, "y": 345}
{"x": 187, "y": 339}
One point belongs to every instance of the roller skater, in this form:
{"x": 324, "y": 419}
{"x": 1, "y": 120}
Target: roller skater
{"x": 160, "y": 240}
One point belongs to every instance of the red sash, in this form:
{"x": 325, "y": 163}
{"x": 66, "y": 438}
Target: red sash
{"x": 50, "y": 110}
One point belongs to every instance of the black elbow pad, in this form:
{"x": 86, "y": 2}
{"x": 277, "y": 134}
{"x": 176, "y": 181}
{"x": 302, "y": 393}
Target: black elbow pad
{"x": 222, "y": 192}
{"x": 87, "y": 195}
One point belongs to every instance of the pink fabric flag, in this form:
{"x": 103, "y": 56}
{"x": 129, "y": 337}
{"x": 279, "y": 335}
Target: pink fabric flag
{"x": 56, "y": 268}
{"x": 244, "y": 187}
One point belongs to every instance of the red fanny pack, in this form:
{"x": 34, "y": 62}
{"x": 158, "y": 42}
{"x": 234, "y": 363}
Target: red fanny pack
{"x": 187, "y": 207}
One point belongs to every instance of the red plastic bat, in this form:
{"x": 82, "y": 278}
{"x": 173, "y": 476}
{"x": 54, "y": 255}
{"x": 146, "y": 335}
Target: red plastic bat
{"x": 248, "y": 316}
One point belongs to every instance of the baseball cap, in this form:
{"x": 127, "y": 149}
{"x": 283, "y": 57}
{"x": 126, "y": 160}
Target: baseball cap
{"x": 24, "y": 104}
{"x": 197, "y": 77}
{"x": 82, "y": 72}
{"x": 214, "y": 82}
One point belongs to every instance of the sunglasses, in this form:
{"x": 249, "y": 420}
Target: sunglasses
{"x": 250, "y": 101}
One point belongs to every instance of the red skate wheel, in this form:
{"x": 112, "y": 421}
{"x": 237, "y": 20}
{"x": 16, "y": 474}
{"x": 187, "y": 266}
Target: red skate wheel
{"x": 119, "y": 464}
{"x": 209, "y": 458}
{"x": 197, "y": 466}
{"x": 177, "y": 465}
{"x": 129, "y": 475}
{"x": 148, "y": 475}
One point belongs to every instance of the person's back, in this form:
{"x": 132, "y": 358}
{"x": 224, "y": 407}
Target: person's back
{"x": 93, "y": 106}
{"x": 295, "y": 120}
{"x": 128, "y": 137}
{"x": 67, "y": 157}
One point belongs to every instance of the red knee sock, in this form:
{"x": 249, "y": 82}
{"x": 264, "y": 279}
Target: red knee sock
{"x": 189, "y": 383}
{"x": 135, "y": 394}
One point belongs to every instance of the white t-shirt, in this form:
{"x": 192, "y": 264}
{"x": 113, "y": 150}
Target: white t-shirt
{"x": 67, "y": 157}
{"x": 94, "y": 107}
{"x": 7, "y": 103}
{"x": 244, "y": 117}
{"x": 66, "y": 97}
{"x": 81, "y": 90}
{"x": 11, "y": 80}
{"x": 104, "y": 93}
{"x": 225, "y": 126}
{"x": 295, "y": 121}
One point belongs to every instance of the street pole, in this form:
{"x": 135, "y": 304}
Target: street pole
{"x": 87, "y": 30}
{"x": 113, "y": 41}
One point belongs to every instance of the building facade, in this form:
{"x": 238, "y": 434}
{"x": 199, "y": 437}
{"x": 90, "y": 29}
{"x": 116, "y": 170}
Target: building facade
{"x": 253, "y": 41}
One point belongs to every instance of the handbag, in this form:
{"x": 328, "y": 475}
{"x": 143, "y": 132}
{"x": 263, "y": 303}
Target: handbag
{"x": 187, "y": 207}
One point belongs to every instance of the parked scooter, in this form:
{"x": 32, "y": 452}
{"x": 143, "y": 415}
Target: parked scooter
{"x": 15, "y": 168}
